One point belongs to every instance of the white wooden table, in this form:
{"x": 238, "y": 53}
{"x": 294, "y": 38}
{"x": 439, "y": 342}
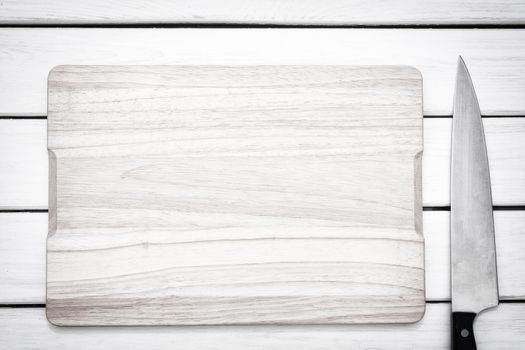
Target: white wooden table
{"x": 429, "y": 35}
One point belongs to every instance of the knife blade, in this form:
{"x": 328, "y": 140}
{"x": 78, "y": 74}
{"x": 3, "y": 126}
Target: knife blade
{"x": 474, "y": 285}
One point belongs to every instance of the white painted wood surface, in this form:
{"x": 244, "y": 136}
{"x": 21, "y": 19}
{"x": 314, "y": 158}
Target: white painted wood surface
{"x": 500, "y": 328}
{"x": 23, "y": 258}
{"x": 23, "y": 169}
{"x": 304, "y": 12}
{"x": 23, "y": 164}
{"x": 496, "y": 58}
{"x": 506, "y": 146}
{"x": 23, "y": 245}
{"x": 184, "y": 195}
{"x": 27, "y": 58}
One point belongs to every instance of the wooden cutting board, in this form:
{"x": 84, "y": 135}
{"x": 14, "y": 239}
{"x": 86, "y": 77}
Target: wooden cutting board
{"x": 184, "y": 195}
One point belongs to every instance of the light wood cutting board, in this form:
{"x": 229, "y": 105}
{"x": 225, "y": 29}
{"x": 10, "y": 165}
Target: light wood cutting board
{"x": 184, "y": 195}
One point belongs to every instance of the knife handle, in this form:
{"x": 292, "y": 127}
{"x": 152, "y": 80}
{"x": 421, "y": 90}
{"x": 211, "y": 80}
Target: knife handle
{"x": 463, "y": 331}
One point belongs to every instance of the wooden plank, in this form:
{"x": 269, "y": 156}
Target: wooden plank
{"x": 22, "y": 257}
{"x": 499, "y": 328}
{"x": 510, "y": 246}
{"x": 331, "y": 12}
{"x": 235, "y": 195}
{"x": 23, "y": 169}
{"x": 23, "y": 242}
{"x": 23, "y": 164}
{"x": 506, "y": 149}
{"x": 496, "y": 58}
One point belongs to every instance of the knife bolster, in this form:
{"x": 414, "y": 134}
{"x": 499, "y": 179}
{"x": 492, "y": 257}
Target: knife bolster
{"x": 463, "y": 331}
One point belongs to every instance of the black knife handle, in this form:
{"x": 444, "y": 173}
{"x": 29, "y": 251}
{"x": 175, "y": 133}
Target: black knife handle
{"x": 463, "y": 331}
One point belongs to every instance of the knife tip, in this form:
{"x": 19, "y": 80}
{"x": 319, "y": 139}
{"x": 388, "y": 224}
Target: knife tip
{"x": 462, "y": 70}
{"x": 461, "y": 62}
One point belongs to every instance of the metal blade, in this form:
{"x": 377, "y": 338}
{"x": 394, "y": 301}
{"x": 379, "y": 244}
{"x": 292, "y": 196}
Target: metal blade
{"x": 473, "y": 254}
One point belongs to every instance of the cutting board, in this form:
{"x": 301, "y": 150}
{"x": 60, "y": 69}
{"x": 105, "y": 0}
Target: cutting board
{"x": 188, "y": 195}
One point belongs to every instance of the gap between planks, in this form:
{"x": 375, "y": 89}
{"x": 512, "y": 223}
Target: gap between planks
{"x": 240, "y": 25}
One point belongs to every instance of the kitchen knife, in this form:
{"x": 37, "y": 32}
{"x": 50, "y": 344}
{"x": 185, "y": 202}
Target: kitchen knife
{"x": 473, "y": 254}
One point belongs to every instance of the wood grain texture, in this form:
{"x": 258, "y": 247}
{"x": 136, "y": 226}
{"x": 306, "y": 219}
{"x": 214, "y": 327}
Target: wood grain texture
{"x": 500, "y": 328}
{"x": 496, "y": 58}
{"x": 330, "y": 12}
{"x": 234, "y": 195}
{"x": 23, "y": 162}
{"x": 23, "y": 241}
